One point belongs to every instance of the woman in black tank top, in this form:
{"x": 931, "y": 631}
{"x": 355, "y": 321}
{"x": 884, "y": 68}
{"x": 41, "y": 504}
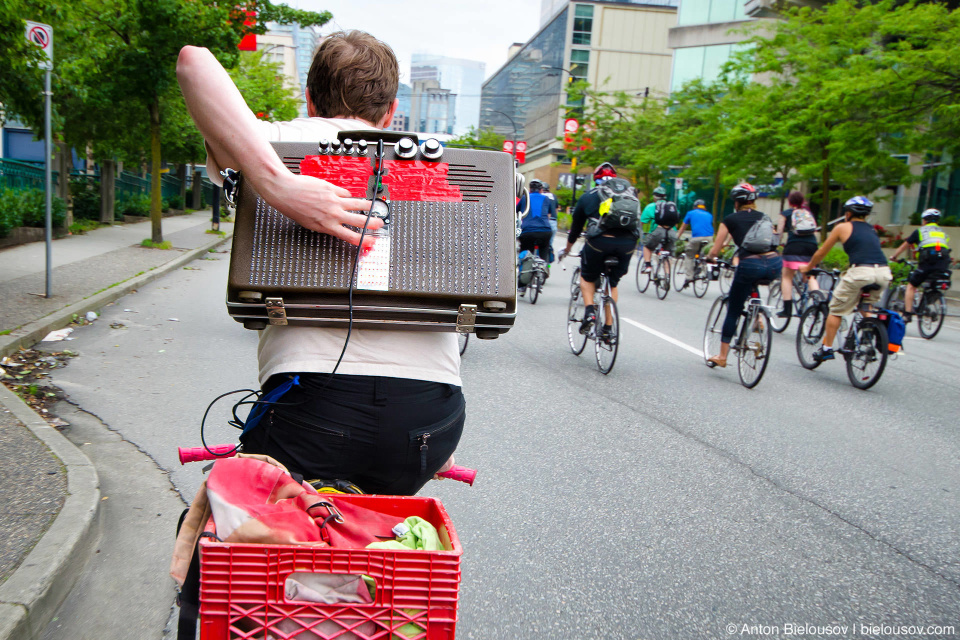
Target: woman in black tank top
{"x": 868, "y": 265}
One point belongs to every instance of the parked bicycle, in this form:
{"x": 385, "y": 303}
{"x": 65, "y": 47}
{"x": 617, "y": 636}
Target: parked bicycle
{"x": 929, "y": 306}
{"x": 864, "y": 346}
{"x": 659, "y": 273}
{"x": 752, "y": 341}
{"x": 605, "y": 345}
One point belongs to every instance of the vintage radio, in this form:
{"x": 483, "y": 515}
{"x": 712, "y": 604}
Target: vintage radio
{"x": 444, "y": 261}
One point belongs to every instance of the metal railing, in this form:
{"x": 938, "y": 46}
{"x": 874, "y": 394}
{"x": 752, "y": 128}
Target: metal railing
{"x": 23, "y": 175}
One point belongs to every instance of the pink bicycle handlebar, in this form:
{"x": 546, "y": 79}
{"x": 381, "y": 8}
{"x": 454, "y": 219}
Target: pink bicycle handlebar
{"x": 198, "y": 454}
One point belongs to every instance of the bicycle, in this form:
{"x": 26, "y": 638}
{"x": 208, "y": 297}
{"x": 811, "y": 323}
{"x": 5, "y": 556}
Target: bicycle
{"x": 805, "y": 298}
{"x": 538, "y": 277}
{"x": 929, "y": 306}
{"x": 659, "y": 273}
{"x": 701, "y": 274}
{"x": 752, "y": 341}
{"x": 726, "y": 275}
{"x": 606, "y": 345}
{"x": 864, "y": 347}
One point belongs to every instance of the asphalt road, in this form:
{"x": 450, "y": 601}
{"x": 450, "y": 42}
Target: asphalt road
{"x": 661, "y": 501}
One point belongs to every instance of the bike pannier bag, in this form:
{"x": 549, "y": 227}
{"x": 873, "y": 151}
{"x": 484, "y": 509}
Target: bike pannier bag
{"x": 526, "y": 267}
{"x": 896, "y": 330}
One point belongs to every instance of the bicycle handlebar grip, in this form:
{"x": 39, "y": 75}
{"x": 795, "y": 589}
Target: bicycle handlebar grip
{"x": 463, "y": 474}
{"x": 196, "y": 454}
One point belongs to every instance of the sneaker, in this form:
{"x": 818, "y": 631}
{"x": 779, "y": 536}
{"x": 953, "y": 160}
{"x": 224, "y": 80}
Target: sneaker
{"x": 907, "y": 317}
{"x": 606, "y": 335}
{"x": 647, "y": 268}
{"x": 521, "y": 291}
{"x": 589, "y": 319}
{"x": 822, "y": 354}
{"x": 783, "y": 313}
{"x": 685, "y": 284}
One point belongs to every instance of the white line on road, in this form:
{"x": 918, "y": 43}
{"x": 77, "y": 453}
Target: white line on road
{"x": 663, "y": 336}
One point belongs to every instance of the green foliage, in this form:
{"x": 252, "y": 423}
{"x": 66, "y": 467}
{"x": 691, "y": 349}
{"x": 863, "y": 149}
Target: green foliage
{"x": 479, "y": 139}
{"x": 86, "y": 199}
{"x": 262, "y": 85}
{"x": 564, "y": 198}
{"x": 175, "y": 202}
{"x": 836, "y": 258}
{"x": 27, "y": 208}
{"x": 900, "y": 271}
{"x": 950, "y": 221}
{"x": 203, "y": 200}
{"x": 136, "y": 205}
{"x": 81, "y": 227}
{"x": 147, "y": 243}
{"x": 915, "y": 218}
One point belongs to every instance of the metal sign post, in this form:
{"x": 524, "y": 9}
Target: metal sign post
{"x": 41, "y": 35}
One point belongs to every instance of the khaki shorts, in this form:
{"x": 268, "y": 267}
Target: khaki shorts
{"x": 846, "y": 296}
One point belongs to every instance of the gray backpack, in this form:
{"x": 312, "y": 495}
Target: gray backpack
{"x": 760, "y": 236}
{"x": 619, "y": 209}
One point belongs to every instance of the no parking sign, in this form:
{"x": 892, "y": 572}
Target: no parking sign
{"x": 41, "y": 35}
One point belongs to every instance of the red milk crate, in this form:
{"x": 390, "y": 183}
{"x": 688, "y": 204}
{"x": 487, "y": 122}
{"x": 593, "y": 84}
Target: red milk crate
{"x": 242, "y": 585}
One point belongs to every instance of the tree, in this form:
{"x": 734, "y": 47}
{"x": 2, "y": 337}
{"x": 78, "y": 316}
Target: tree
{"x": 261, "y": 84}
{"x": 479, "y": 139}
{"x": 21, "y": 83}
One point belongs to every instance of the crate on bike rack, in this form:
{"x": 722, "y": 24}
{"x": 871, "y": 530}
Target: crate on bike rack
{"x": 242, "y": 586}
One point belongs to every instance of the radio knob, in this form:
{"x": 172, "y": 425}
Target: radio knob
{"x": 347, "y": 145}
{"x": 406, "y": 148}
{"x": 335, "y": 147}
{"x": 362, "y": 147}
{"x": 431, "y": 148}
{"x": 324, "y": 146}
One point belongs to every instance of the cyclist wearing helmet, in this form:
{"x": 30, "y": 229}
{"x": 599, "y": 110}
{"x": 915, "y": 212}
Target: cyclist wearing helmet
{"x": 868, "y": 266}
{"x": 701, "y": 231}
{"x": 647, "y": 222}
{"x": 616, "y": 242}
{"x": 535, "y": 231}
{"x": 933, "y": 247}
{"x": 753, "y": 267}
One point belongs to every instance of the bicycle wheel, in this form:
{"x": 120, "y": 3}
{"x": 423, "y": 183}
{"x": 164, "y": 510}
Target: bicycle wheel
{"x": 606, "y": 345}
{"x": 893, "y": 298}
{"x": 575, "y": 312}
{"x": 575, "y": 281}
{"x": 930, "y": 314}
{"x": 464, "y": 338}
{"x": 869, "y": 357}
{"x": 711, "y": 332}
{"x": 775, "y": 302}
{"x": 679, "y": 270}
{"x": 753, "y": 352}
{"x": 813, "y": 299}
{"x": 661, "y": 276}
{"x": 536, "y": 284}
{"x": 726, "y": 279}
{"x": 813, "y": 322}
{"x": 643, "y": 279}
{"x": 701, "y": 280}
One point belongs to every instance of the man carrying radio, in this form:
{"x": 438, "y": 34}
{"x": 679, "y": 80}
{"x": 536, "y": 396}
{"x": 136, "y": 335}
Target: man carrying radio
{"x": 933, "y": 256}
{"x": 611, "y": 214}
{"x": 390, "y": 385}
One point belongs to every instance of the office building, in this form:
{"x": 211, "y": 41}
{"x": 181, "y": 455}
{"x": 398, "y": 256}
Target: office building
{"x": 432, "y": 108}
{"x": 292, "y": 46}
{"x": 614, "y": 46}
{"x": 463, "y": 78}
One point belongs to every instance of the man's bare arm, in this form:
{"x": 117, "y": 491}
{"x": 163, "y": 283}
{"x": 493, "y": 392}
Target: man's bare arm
{"x": 232, "y": 133}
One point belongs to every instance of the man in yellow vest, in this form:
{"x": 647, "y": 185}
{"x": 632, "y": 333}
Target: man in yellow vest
{"x": 933, "y": 247}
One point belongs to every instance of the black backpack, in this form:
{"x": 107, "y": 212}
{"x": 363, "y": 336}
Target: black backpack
{"x": 666, "y": 214}
{"x": 619, "y": 208}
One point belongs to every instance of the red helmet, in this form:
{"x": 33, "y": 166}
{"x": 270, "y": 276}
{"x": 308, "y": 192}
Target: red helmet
{"x": 605, "y": 170}
{"x": 743, "y": 192}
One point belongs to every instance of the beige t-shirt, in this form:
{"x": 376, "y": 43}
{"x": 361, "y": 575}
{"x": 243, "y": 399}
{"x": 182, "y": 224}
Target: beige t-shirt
{"x": 416, "y": 355}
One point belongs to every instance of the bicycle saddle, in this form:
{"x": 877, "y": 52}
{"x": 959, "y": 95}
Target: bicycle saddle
{"x": 869, "y": 288}
{"x": 611, "y": 262}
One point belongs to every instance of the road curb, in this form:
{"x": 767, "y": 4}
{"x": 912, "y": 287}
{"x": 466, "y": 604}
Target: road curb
{"x": 32, "y": 594}
{"x": 33, "y": 332}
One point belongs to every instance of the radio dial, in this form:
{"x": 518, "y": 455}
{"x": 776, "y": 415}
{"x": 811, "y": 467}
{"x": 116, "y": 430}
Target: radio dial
{"x": 347, "y": 145}
{"x": 324, "y": 146}
{"x": 335, "y": 147}
{"x": 431, "y": 148}
{"x": 362, "y": 147}
{"x": 406, "y": 148}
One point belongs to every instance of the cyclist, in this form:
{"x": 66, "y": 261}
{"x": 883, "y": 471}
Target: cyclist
{"x": 933, "y": 246}
{"x": 868, "y": 266}
{"x": 647, "y": 221}
{"x": 799, "y": 247}
{"x": 701, "y": 233}
{"x": 598, "y": 246}
{"x": 755, "y": 265}
{"x": 535, "y": 228}
{"x": 545, "y": 188}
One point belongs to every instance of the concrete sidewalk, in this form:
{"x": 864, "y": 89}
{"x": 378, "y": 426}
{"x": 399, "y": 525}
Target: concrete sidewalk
{"x": 49, "y": 489}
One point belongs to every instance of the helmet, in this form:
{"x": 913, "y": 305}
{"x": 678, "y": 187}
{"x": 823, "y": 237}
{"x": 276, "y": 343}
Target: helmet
{"x": 858, "y": 205}
{"x": 605, "y": 170}
{"x": 535, "y": 185}
{"x": 659, "y": 192}
{"x": 544, "y": 186}
{"x": 699, "y": 203}
{"x": 744, "y": 192}
{"x": 932, "y": 214}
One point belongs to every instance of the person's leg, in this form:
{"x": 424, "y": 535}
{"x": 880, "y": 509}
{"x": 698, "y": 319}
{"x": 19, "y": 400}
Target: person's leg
{"x": 786, "y": 291}
{"x": 743, "y": 282}
{"x": 693, "y": 249}
{"x": 831, "y": 327}
{"x": 588, "y": 289}
{"x": 908, "y": 296}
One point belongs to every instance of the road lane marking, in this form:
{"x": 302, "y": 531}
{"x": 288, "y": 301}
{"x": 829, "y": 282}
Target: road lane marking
{"x": 663, "y": 336}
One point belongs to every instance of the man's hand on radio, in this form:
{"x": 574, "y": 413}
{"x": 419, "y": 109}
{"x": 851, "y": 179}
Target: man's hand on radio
{"x": 320, "y": 206}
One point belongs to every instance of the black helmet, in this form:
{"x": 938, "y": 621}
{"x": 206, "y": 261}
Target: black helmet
{"x": 858, "y": 205}
{"x": 743, "y": 192}
{"x": 699, "y": 203}
{"x": 536, "y": 185}
{"x": 659, "y": 192}
{"x": 931, "y": 214}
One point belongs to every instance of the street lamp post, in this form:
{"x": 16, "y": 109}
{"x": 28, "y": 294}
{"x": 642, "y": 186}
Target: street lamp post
{"x": 514, "y": 149}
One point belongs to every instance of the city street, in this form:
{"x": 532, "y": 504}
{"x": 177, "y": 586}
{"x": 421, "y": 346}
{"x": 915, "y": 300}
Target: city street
{"x": 662, "y": 501}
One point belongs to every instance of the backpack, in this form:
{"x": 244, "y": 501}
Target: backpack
{"x": 666, "y": 214}
{"x": 896, "y": 329}
{"x": 760, "y": 236}
{"x": 619, "y": 208}
{"x": 527, "y": 260}
{"x": 803, "y": 222}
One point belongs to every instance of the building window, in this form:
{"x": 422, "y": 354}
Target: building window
{"x": 710, "y": 11}
{"x": 579, "y": 63}
{"x": 700, "y": 62}
{"x": 582, "y": 24}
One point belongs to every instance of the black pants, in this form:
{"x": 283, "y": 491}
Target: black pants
{"x": 540, "y": 240}
{"x": 386, "y": 435}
